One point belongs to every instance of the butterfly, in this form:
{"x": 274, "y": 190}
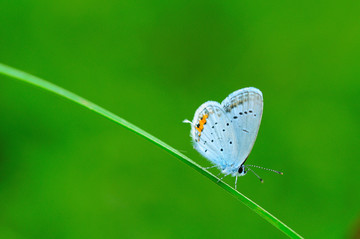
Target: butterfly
{"x": 225, "y": 133}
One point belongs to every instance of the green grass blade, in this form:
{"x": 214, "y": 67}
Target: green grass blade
{"x": 36, "y": 81}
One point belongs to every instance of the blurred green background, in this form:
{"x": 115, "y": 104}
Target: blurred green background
{"x": 66, "y": 172}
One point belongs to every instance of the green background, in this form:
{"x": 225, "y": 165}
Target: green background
{"x": 66, "y": 172}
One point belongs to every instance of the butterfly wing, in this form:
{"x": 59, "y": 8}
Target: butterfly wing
{"x": 213, "y": 134}
{"x": 244, "y": 107}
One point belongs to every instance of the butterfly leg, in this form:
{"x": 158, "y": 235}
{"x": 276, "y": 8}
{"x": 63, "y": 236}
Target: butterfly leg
{"x": 218, "y": 177}
{"x": 222, "y": 177}
{"x": 209, "y": 167}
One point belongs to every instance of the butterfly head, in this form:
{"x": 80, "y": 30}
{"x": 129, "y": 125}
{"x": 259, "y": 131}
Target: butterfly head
{"x": 234, "y": 171}
{"x": 241, "y": 171}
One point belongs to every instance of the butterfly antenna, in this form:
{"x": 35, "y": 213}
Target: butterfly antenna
{"x": 272, "y": 170}
{"x": 261, "y": 180}
{"x": 236, "y": 182}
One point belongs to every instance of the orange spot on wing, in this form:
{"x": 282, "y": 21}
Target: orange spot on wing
{"x": 201, "y": 123}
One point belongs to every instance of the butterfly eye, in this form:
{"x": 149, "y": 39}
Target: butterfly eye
{"x": 240, "y": 169}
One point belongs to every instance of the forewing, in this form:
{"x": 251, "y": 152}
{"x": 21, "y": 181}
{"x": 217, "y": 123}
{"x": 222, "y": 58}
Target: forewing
{"x": 213, "y": 134}
{"x": 245, "y": 108}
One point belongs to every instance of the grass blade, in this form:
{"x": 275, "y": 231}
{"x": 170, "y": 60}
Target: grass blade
{"x": 36, "y": 81}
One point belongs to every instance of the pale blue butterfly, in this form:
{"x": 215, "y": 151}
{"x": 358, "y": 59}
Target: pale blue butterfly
{"x": 225, "y": 133}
